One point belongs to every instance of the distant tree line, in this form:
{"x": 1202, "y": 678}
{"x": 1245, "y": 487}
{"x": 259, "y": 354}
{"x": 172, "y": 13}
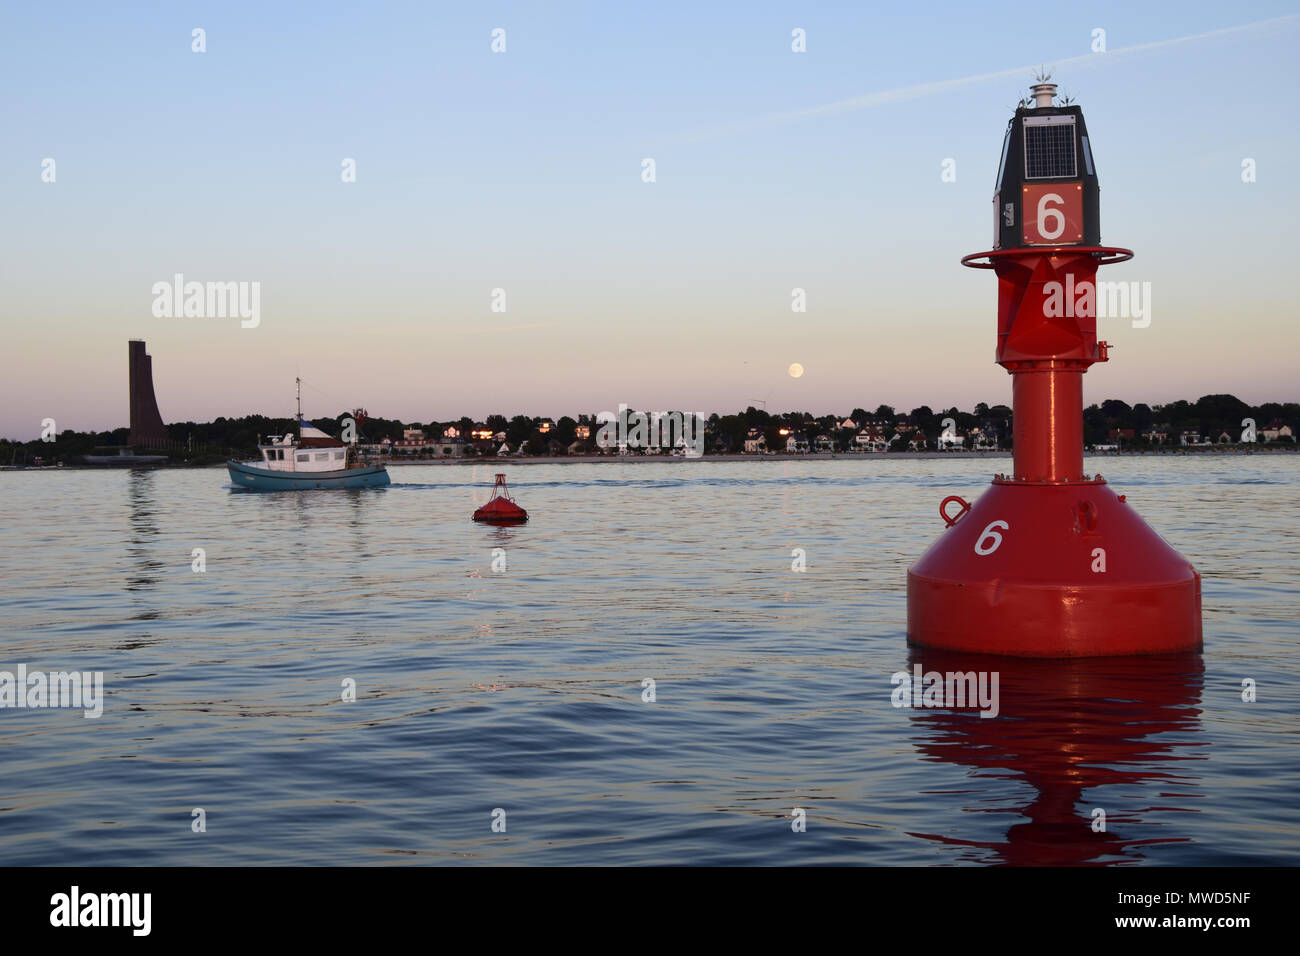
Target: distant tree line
{"x": 1113, "y": 421}
{"x": 1210, "y": 416}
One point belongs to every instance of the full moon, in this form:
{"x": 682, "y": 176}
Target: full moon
{"x": 796, "y": 370}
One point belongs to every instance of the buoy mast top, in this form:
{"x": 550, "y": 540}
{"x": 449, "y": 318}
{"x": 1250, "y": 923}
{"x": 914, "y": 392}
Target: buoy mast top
{"x": 1047, "y": 244}
{"x": 1047, "y": 190}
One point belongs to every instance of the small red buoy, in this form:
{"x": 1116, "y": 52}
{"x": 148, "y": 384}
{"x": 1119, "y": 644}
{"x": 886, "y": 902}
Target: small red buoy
{"x": 501, "y": 508}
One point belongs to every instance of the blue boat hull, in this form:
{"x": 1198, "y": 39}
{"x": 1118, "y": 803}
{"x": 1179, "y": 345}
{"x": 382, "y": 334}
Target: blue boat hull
{"x": 250, "y": 478}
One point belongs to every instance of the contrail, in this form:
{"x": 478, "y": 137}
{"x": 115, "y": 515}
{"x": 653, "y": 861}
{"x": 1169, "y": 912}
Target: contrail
{"x": 916, "y": 91}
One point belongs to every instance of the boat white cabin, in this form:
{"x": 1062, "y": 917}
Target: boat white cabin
{"x": 310, "y": 451}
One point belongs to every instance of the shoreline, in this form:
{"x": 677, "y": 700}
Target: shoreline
{"x": 671, "y": 459}
{"x": 825, "y": 456}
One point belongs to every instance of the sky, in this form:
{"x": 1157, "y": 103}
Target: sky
{"x": 522, "y": 171}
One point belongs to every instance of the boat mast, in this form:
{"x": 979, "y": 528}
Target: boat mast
{"x": 298, "y": 382}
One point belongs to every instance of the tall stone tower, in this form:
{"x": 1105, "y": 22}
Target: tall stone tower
{"x": 147, "y": 426}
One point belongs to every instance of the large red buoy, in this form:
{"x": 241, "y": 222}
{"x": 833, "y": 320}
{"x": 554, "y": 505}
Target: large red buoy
{"x": 1049, "y": 562}
{"x": 501, "y": 508}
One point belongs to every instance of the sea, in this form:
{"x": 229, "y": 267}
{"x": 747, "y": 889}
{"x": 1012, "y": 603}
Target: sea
{"x": 672, "y": 662}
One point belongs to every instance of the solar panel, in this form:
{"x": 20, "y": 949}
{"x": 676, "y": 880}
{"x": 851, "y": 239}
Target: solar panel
{"x": 1049, "y": 151}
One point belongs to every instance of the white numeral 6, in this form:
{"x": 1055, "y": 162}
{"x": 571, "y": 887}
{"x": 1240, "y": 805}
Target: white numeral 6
{"x": 1044, "y": 214}
{"x": 990, "y": 535}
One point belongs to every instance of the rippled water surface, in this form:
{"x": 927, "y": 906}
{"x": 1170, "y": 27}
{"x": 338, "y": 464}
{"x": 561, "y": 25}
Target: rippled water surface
{"x": 522, "y": 690}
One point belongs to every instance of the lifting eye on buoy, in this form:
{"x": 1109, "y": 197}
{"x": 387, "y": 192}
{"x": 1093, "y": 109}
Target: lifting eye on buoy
{"x": 951, "y": 520}
{"x": 1086, "y": 517}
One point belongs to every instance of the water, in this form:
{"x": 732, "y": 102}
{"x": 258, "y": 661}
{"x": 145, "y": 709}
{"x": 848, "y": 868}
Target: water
{"x": 522, "y": 690}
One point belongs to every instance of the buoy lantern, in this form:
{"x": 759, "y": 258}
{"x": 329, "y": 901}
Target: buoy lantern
{"x": 501, "y": 508}
{"x": 1049, "y": 562}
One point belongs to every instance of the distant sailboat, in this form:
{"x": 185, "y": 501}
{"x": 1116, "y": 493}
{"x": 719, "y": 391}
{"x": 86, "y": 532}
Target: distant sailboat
{"x": 310, "y": 460}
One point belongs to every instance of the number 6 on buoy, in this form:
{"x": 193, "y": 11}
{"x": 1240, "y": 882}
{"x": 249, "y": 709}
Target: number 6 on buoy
{"x": 988, "y": 534}
{"x": 1044, "y": 214}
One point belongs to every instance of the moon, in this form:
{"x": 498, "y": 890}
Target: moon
{"x": 796, "y": 370}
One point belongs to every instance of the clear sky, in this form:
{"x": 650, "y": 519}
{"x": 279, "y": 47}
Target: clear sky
{"x": 522, "y": 171}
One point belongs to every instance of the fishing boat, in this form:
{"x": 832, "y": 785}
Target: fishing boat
{"x": 309, "y": 460}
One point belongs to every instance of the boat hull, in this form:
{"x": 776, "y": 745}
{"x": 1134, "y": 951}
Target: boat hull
{"x": 250, "y": 478}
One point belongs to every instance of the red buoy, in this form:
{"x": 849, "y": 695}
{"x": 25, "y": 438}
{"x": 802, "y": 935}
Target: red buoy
{"x": 1049, "y": 562}
{"x": 501, "y": 508}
